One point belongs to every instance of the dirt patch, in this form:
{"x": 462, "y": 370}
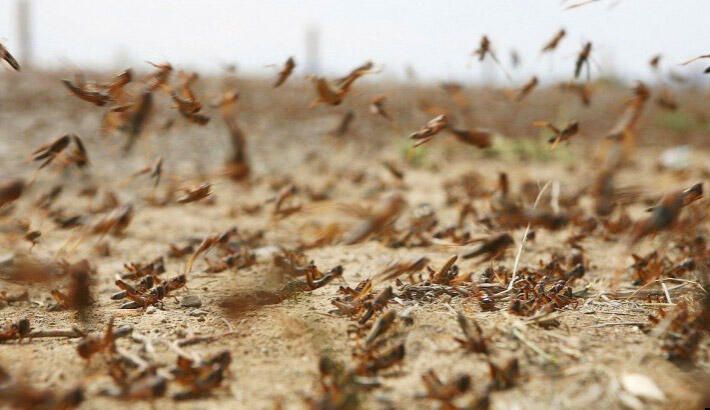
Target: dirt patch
{"x": 570, "y": 353}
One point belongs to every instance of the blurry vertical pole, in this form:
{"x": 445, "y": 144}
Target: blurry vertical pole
{"x": 24, "y": 33}
{"x": 312, "y": 50}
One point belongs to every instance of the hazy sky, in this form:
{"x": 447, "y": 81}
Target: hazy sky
{"x": 436, "y": 37}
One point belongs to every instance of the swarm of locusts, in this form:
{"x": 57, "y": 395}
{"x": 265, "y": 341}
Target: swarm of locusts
{"x": 446, "y": 283}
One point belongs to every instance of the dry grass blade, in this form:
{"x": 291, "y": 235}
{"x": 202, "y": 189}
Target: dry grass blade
{"x": 516, "y": 264}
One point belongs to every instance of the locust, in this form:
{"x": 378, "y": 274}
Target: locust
{"x": 379, "y": 220}
{"x": 526, "y": 89}
{"x": 285, "y": 72}
{"x": 334, "y": 93}
{"x": 17, "y": 330}
{"x": 552, "y": 44}
{"x": 492, "y": 247}
{"x": 11, "y": 190}
{"x": 473, "y": 339}
{"x": 194, "y": 194}
{"x": 666, "y": 212}
{"x": 50, "y": 151}
{"x": 582, "y": 59}
{"x": 377, "y": 107}
{"x": 5, "y": 55}
{"x": 433, "y": 127}
{"x": 96, "y": 97}
{"x": 559, "y": 134}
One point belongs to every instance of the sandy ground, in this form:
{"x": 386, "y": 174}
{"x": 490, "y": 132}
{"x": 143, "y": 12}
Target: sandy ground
{"x": 275, "y": 348}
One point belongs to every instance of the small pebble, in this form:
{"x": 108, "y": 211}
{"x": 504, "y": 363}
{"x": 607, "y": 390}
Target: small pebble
{"x": 197, "y": 312}
{"x": 191, "y": 301}
{"x": 150, "y": 310}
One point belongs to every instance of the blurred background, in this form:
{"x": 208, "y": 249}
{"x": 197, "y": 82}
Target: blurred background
{"x": 422, "y": 51}
{"x": 434, "y": 38}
